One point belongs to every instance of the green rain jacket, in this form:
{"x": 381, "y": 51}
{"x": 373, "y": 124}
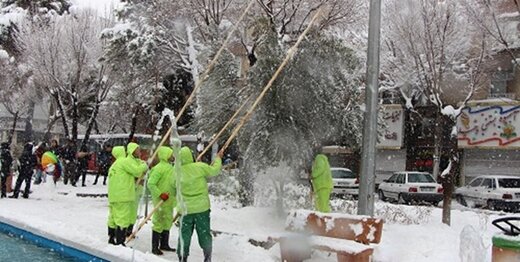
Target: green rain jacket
{"x": 125, "y": 173}
{"x": 321, "y": 175}
{"x": 193, "y": 183}
{"x": 162, "y": 179}
{"x": 119, "y": 154}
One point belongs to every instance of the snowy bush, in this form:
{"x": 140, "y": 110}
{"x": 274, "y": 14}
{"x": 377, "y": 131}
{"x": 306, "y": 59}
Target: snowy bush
{"x": 275, "y": 188}
{"x": 225, "y": 185}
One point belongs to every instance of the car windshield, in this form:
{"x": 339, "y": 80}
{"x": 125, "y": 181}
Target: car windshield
{"x": 341, "y": 173}
{"x": 509, "y": 182}
{"x": 420, "y": 178}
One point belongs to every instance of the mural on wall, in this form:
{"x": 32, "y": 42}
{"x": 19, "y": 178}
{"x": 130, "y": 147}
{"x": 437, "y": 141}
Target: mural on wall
{"x": 392, "y": 135}
{"x": 494, "y": 126}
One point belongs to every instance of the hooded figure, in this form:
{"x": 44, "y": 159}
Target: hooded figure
{"x": 194, "y": 203}
{"x": 119, "y": 154}
{"x": 27, "y": 163}
{"x": 6, "y": 162}
{"x": 321, "y": 183}
{"x": 122, "y": 190}
{"x": 161, "y": 185}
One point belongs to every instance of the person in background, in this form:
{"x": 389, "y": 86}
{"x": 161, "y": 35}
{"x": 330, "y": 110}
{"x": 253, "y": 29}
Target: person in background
{"x": 55, "y": 148}
{"x": 69, "y": 158}
{"x": 194, "y": 204}
{"x": 83, "y": 157}
{"x": 161, "y": 185}
{"x": 6, "y": 163}
{"x": 104, "y": 160}
{"x": 28, "y": 162}
{"x": 38, "y": 152}
{"x": 321, "y": 178}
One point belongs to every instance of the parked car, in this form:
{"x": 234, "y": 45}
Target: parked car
{"x": 408, "y": 187}
{"x": 493, "y": 192}
{"x": 345, "y": 182}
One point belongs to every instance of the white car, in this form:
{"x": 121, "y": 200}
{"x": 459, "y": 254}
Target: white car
{"x": 345, "y": 182}
{"x": 493, "y": 192}
{"x": 407, "y": 187}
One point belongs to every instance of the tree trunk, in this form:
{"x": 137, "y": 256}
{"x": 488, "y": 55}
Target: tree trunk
{"x": 13, "y": 129}
{"x": 75, "y": 114}
{"x": 447, "y": 184}
{"x": 90, "y": 124}
{"x": 437, "y": 145}
{"x": 57, "y": 97}
{"x": 134, "y": 124}
{"x": 28, "y": 132}
{"x": 245, "y": 180}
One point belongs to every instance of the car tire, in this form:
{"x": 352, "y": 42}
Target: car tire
{"x": 461, "y": 200}
{"x": 381, "y": 195}
{"x": 491, "y": 205}
{"x": 400, "y": 200}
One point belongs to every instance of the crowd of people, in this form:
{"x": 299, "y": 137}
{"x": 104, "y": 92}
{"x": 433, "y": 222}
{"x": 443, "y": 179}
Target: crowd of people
{"x": 44, "y": 160}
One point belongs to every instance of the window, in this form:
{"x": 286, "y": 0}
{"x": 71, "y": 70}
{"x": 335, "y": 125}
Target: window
{"x": 401, "y": 179}
{"x": 392, "y": 178}
{"x": 487, "y": 183}
{"x": 340, "y": 173}
{"x": 420, "y": 178}
{"x": 509, "y": 182}
{"x": 476, "y": 182}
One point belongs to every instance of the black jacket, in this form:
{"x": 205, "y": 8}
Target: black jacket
{"x": 6, "y": 158}
{"x": 27, "y": 161}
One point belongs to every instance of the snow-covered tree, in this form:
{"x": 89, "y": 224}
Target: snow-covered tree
{"x": 313, "y": 102}
{"x": 434, "y": 57}
{"x": 65, "y": 58}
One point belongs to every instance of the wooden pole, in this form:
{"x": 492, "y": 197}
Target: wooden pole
{"x": 290, "y": 54}
{"x": 222, "y": 130}
{"x": 141, "y": 225}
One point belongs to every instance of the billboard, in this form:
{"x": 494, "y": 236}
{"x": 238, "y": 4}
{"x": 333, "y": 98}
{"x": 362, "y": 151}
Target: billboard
{"x": 392, "y": 136}
{"x": 489, "y": 126}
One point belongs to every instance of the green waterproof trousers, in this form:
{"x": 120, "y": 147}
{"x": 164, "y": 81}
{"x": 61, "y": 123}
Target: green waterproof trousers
{"x": 201, "y": 223}
{"x": 163, "y": 218}
{"x": 322, "y": 198}
{"x": 122, "y": 213}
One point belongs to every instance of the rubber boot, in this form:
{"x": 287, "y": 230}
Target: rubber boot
{"x": 111, "y": 235}
{"x": 207, "y": 255}
{"x": 165, "y": 238}
{"x": 129, "y": 230}
{"x": 156, "y": 239}
{"x": 120, "y": 236}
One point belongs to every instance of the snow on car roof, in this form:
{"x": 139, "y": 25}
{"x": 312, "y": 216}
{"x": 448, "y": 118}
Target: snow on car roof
{"x": 497, "y": 176}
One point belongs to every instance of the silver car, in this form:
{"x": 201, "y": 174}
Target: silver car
{"x": 345, "y": 182}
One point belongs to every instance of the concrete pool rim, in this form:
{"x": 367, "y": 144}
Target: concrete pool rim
{"x": 59, "y": 245}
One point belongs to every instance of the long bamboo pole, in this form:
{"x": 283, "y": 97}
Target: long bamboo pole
{"x": 141, "y": 225}
{"x": 223, "y": 129}
{"x": 290, "y": 54}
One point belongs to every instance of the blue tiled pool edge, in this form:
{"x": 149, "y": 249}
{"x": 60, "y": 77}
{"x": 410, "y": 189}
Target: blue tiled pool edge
{"x": 48, "y": 243}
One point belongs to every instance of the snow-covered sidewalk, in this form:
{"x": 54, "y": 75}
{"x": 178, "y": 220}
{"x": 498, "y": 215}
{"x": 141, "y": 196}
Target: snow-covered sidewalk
{"x": 409, "y": 233}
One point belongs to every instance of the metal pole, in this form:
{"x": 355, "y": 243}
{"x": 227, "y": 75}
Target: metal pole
{"x": 368, "y": 165}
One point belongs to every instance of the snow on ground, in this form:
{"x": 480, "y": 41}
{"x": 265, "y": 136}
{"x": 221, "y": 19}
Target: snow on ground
{"x": 409, "y": 233}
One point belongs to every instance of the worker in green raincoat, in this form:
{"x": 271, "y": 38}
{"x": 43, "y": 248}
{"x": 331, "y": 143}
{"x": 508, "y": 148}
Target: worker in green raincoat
{"x": 123, "y": 197}
{"x": 194, "y": 203}
{"x": 322, "y": 185}
{"x": 119, "y": 154}
{"x": 161, "y": 186}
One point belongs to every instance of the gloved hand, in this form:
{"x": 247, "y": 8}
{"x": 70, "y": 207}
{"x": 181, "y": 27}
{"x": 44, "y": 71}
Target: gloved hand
{"x": 164, "y": 196}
